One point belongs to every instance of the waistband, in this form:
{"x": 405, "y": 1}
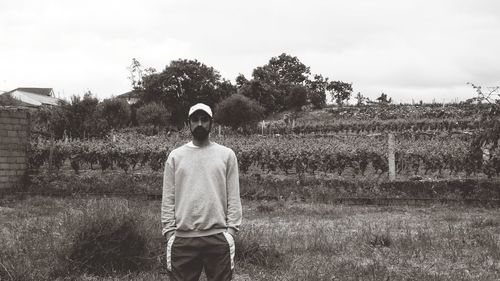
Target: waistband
{"x": 198, "y": 233}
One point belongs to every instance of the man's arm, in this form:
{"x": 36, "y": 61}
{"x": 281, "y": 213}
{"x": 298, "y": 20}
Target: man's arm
{"x": 234, "y": 212}
{"x": 168, "y": 198}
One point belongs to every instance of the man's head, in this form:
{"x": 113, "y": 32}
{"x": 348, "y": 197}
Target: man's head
{"x": 200, "y": 121}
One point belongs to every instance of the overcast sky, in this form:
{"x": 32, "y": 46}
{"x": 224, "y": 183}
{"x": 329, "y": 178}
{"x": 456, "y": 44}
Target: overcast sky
{"x": 408, "y": 49}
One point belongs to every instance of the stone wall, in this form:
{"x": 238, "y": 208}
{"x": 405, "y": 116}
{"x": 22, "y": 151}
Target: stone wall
{"x": 14, "y": 146}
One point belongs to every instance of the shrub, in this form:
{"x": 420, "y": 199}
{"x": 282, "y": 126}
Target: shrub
{"x": 152, "y": 114}
{"x": 317, "y": 99}
{"x": 296, "y": 98}
{"x": 56, "y": 120}
{"x": 238, "y": 111}
{"x": 107, "y": 239}
{"x": 116, "y": 112}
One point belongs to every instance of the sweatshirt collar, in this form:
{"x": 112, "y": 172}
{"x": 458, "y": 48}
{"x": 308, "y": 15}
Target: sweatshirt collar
{"x": 192, "y": 145}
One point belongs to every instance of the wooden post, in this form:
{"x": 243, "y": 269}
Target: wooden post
{"x": 392, "y": 162}
{"x": 262, "y": 127}
{"x": 219, "y": 130}
{"x": 486, "y": 154}
{"x": 51, "y": 151}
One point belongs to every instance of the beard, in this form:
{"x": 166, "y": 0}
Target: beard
{"x": 199, "y": 133}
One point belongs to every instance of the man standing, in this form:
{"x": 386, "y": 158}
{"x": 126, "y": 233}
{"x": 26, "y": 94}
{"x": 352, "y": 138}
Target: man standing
{"x": 201, "y": 207}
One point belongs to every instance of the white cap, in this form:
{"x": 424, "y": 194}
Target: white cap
{"x": 200, "y": 106}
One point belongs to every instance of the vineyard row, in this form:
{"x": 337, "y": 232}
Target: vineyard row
{"x": 287, "y": 155}
{"x": 373, "y": 126}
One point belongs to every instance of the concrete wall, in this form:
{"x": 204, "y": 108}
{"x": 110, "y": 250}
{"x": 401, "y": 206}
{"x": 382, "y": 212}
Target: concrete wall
{"x": 14, "y": 146}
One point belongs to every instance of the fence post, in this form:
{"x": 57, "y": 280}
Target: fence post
{"x": 51, "y": 151}
{"x": 392, "y": 162}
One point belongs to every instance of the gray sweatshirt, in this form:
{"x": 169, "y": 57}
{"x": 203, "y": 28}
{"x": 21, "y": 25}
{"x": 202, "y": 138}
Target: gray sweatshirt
{"x": 201, "y": 191}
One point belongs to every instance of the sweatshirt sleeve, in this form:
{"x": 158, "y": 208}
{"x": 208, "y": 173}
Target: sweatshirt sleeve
{"x": 234, "y": 212}
{"x": 168, "y": 197}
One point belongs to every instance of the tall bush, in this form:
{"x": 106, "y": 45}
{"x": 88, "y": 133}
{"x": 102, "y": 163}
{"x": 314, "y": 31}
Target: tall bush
{"x": 79, "y": 118}
{"x": 82, "y": 115}
{"x": 116, "y": 112}
{"x": 296, "y": 98}
{"x": 238, "y": 111}
{"x": 153, "y": 114}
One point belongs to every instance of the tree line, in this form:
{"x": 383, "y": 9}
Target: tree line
{"x": 284, "y": 83}
{"x": 164, "y": 97}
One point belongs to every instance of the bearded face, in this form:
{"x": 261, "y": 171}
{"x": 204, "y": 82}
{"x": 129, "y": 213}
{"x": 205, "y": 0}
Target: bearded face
{"x": 200, "y": 133}
{"x": 200, "y": 124}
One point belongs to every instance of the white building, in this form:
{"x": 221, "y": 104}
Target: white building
{"x": 131, "y": 97}
{"x": 34, "y": 96}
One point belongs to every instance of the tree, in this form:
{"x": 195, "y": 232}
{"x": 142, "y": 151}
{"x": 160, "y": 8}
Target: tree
{"x": 297, "y": 97}
{"x": 226, "y": 89}
{"x": 490, "y": 96}
{"x": 153, "y": 114}
{"x": 52, "y": 119}
{"x": 276, "y": 78}
{"x": 88, "y": 111}
{"x": 273, "y": 82}
{"x": 116, "y": 112}
{"x": 135, "y": 74}
{"x": 383, "y": 99}
{"x": 360, "y": 99}
{"x": 340, "y": 91}
{"x": 78, "y": 118}
{"x": 261, "y": 92}
{"x": 183, "y": 83}
{"x": 241, "y": 80}
{"x": 238, "y": 111}
{"x": 485, "y": 144}
{"x": 82, "y": 115}
{"x": 284, "y": 69}
{"x": 317, "y": 91}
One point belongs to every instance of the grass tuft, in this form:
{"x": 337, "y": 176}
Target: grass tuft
{"x": 250, "y": 249}
{"x": 378, "y": 238}
{"x": 107, "y": 240}
{"x": 265, "y": 208}
{"x": 484, "y": 222}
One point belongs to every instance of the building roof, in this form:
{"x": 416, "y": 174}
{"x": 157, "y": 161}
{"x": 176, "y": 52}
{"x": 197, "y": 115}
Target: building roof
{"x": 34, "y": 96}
{"x": 131, "y": 94}
{"x": 39, "y": 91}
{"x": 132, "y": 97}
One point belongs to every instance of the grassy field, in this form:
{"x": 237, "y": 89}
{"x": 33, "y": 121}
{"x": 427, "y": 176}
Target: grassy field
{"x": 278, "y": 241}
